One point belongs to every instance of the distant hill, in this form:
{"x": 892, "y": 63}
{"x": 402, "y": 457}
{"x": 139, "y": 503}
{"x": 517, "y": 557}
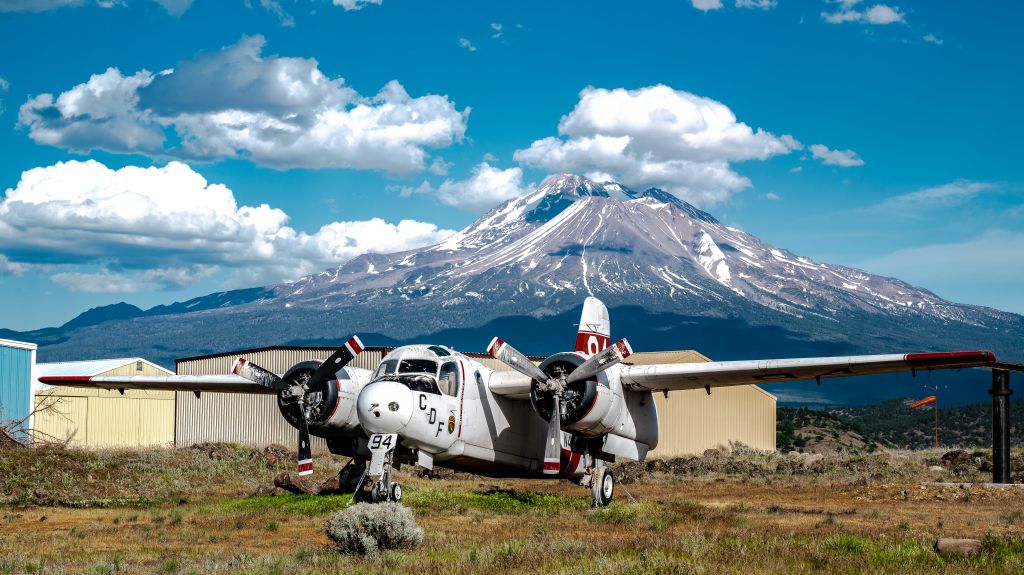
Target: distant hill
{"x": 893, "y": 423}
{"x": 815, "y": 431}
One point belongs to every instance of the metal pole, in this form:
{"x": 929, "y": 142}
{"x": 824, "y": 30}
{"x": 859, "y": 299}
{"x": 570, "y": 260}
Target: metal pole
{"x": 1000, "y": 425}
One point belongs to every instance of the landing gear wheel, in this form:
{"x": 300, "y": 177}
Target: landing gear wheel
{"x": 602, "y": 487}
{"x": 396, "y": 492}
{"x": 379, "y": 493}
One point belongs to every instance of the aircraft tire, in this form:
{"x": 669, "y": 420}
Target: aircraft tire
{"x": 602, "y": 488}
{"x": 396, "y": 492}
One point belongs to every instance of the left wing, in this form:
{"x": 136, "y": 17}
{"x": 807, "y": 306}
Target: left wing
{"x": 676, "y": 376}
{"x": 209, "y": 383}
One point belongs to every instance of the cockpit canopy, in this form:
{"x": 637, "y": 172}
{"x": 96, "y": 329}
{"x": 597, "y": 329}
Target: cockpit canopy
{"x": 428, "y": 369}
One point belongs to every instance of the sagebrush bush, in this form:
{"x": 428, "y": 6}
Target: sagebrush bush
{"x": 367, "y": 528}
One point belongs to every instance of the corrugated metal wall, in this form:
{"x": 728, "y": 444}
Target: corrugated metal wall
{"x": 98, "y": 418}
{"x": 689, "y": 421}
{"x": 15, "y": 386}
{"x": 692, "y": 421}
{"x": 242, "y": 418}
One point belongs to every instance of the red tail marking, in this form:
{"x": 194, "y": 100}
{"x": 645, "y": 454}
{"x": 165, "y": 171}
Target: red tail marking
{"x": 590, "y": 343}
{"x": 950, "y": 358}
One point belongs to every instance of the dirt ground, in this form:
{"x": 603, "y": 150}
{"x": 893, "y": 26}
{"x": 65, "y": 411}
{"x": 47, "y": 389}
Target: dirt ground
{"x": 717, "y": 522}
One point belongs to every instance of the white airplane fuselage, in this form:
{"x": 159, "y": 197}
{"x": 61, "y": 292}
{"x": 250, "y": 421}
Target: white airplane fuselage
{"x": 462, "y": 424}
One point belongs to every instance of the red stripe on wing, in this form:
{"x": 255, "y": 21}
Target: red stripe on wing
{"x": 950, "y": 359}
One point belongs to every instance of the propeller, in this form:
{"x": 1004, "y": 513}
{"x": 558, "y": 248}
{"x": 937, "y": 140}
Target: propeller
{"x": 597, "y": 363}
{"x": 294, "y": 395}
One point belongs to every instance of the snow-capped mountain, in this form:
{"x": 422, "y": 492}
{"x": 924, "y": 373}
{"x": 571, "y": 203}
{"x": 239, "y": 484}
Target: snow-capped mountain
{"x": 537, "y": 257}
{"x": 572, "y": 237}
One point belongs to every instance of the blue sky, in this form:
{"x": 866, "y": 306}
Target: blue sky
{"x": 879, "y": 135}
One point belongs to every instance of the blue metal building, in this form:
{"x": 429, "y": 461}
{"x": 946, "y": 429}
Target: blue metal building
{"x": 17, "y": 361}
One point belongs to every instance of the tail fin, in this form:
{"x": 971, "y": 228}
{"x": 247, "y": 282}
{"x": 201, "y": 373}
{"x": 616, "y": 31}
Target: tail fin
{"x": 595, "y": 328}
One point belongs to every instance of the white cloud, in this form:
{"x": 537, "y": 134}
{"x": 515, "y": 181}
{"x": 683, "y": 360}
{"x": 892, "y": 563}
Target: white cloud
{"x": 993, "y": 255}
{"x": 656, "y": 136}
{"x": 489, "y": 157}
{"x": 176, "y": 7}
{"x": 35, "y": 5}
{"x": 773, "y": 196}
{"x": 932, "y": 39}
{"x": 952, "y": 194}
{"x": 496, "y": 26}
{"x": 169, "y": 227}
{"x": 276, "y": 111}
{"x": 706, "y": 5}
{"x": 879, "y": 14}
{"x": 465, "y": 43}
{"x": 5, "y": 86}
{"x": 275, "y": 8}
{"x": 485, "y": 187}
{"x": 356, "y": 4}
{"x": 796, "y": 169}
{"x": 11, "y": 268}
{"x": 761, "y": 4}
{"x": 841, "y": 158}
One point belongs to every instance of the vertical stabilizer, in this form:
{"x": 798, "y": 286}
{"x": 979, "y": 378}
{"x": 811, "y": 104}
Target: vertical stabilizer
{"x": 595, "y": 328}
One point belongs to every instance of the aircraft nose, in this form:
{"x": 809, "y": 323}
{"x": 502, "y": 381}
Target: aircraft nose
{"x": 384, "y": 407}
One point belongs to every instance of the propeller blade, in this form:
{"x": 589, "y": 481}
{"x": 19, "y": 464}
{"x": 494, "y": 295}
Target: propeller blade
{"x": 515, "y": 359}
{"x": 553, "y": 447}
{"x": 338, "y": 360}
{"x": 305, "y": 451}
{"x": 257, "y": 374}
{"x": 601, "y": 361}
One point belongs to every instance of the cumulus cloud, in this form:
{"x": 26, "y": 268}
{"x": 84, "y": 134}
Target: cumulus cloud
{"x": 952, "y": 194}
{"x": 841, "y": 158}
{"x": 485, "y": 187}
{"x": 7, "y": 267}
{"x": 168, "y": 227}
{"x": 879, "y": 14}
{"x": 356, "y": 4}
{"x": 932, "y": 39}
{"x": 276, "y": 111}
{"x": 496, "y": 27}
{"x": 656, "y": 136}
{"x": 175, "y": 7}
{"x": 706, "y": 5}
{"x": 465, "y": 43}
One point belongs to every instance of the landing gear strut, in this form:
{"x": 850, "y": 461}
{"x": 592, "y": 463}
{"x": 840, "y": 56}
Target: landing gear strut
{"x": 378, "y": 473}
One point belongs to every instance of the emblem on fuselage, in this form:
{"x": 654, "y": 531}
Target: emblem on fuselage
{"x": 451, "y": 424}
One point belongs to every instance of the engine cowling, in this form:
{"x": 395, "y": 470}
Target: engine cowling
{"x": 592, "y": 407}
{"x": 330, "y": 406}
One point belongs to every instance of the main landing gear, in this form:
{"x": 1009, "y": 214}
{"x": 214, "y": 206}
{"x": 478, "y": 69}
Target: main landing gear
{"x": 601, "y": 481}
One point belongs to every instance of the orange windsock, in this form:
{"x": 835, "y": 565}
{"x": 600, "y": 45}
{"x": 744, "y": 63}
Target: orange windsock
{"x": 925, "y": 401}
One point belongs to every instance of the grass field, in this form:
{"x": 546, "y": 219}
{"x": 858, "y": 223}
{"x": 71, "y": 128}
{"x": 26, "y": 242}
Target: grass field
{"x": 178, "y": 511}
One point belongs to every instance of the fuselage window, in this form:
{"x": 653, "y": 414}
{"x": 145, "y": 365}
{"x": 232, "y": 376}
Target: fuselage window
{"x": 448, "y": 381}
{"x": 418, "y": 375}
{"x": 385, "y": 367}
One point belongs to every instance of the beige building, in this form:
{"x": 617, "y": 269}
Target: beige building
{"x": 689, "y": 421}
{"x": 98, "y": 418}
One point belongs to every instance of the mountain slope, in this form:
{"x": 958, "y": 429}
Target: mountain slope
{"x": 538, "y": 256}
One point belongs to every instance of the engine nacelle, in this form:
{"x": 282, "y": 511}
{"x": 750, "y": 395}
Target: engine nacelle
{"x": 592, "y": 407}
{"x": 331, "y": 406}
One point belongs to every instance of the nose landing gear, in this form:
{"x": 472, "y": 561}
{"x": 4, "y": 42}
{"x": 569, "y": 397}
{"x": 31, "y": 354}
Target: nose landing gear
{"x": 378, "y": 473}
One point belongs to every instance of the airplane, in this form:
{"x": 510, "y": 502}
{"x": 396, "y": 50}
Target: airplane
{"x": 565, "y": 418}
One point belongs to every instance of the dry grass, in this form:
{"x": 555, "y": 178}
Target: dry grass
{"x": 722, "y": 521}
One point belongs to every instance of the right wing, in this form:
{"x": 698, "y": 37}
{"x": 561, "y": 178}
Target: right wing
{"x": 706, "y": 375}
{"x": 195, "y": 383}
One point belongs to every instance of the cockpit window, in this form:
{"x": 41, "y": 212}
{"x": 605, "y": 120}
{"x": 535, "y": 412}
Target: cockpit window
{"x": 448, "y": 380}
{"x": 417, "y": 366}
{"x": 385, "y": 367}
{"x": 416, "y": 374}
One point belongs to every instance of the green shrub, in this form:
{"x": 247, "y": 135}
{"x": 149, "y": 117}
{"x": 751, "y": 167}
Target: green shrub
{"x": 366, "y": 529}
